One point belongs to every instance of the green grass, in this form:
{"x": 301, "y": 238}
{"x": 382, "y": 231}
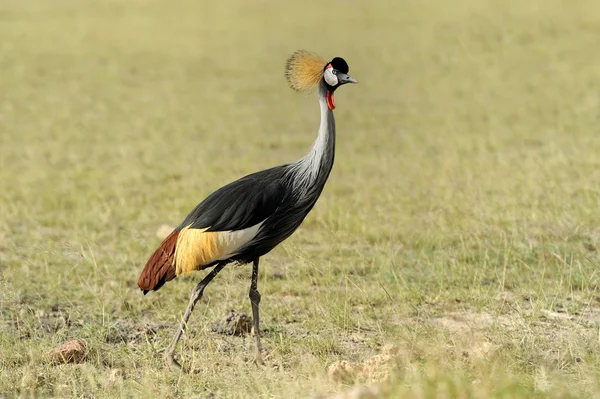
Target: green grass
{"x": 460, "y": 222}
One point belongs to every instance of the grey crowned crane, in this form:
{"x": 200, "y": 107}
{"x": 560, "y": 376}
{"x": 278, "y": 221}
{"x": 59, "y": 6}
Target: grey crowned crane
{"x": 246, "y": 219}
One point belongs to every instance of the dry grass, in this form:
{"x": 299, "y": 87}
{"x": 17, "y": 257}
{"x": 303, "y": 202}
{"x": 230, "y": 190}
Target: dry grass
{"x": 459, "y": 226}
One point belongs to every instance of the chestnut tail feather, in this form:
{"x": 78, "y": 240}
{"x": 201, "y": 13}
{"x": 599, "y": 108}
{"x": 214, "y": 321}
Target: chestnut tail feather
{"x": 160, "y": 267}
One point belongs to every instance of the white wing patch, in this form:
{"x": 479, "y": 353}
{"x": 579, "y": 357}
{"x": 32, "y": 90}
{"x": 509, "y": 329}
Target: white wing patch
{"x": 232, "y": 241}
{"x": 197, "y": 247}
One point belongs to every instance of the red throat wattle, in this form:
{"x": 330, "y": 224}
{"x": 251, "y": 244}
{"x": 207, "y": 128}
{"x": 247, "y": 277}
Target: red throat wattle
{"x": 330, "y": 102}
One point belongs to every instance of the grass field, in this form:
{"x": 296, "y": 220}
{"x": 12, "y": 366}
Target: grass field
{"x": 454, "y": 252}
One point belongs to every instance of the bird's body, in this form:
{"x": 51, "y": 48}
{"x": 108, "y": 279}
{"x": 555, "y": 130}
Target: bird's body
{"x": 247, "y": 218}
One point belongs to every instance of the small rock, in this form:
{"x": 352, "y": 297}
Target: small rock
{"x": 234, "y": 324}
{"x": 73, "y": 351}
{"x": 590, "y": 247}
{"x": 342, "y": 371}
{"x": 114, "y": 375}
{"x": 377, "y": 368}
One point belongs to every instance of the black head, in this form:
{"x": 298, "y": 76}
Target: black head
{"x": 340, "y": 64}
{"x": 335, "y": 74}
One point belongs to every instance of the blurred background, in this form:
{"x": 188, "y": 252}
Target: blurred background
{"x": 483, "y": 101}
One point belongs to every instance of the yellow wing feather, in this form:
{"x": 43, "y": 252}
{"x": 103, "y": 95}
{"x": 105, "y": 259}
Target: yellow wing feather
{"x": 196, "y": 248}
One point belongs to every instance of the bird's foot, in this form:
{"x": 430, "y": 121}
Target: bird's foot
{"x": 258, "y": 358}
{"x": 171, "y": 363}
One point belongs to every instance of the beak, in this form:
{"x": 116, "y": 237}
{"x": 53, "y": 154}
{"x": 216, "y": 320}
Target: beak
{"x": 343, "y": 79}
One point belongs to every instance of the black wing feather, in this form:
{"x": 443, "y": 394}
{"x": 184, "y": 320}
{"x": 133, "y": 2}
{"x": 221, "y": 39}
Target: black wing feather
{"x": 242, "y": 203}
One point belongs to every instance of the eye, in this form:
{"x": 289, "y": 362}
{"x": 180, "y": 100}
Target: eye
{"x": 334, "y": 71}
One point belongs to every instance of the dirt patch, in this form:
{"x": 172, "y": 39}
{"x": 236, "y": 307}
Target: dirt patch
{"x": 128, "y": 332}
{"x": 359, "y": 392}
{"x": 474, "y": 334}
{"x": 54, "y": 320}
{"x": 375, "y": 369}
{"x": 27, "y": 321}
{"x": 475, "y": 337}
{"x": 468, "y": 333}
{"x": 234, "y": 323}
{"x": 478, "y": 348}
{"x": 507, "y": 296}
{"x": 556, "y": 316}
{"x": 469, "y": 321}
{"x": 114, "y": 376}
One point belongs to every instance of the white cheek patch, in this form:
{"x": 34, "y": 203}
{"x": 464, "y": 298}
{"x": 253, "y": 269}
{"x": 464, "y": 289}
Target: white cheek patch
{"x": 330, "y": 78}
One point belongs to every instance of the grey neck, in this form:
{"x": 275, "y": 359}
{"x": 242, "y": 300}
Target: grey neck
{"x": 311, "y": 171}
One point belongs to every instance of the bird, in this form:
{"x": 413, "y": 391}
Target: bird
{"x": 244, "y": 220}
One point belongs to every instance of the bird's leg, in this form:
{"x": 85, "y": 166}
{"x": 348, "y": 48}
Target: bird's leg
{"x": 195, "y": 297}
{"x": 255, "y": 299}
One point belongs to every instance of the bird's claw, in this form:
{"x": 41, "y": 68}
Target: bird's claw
{"x": 171, "y": 363}
{"x": 258, "y": 360}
